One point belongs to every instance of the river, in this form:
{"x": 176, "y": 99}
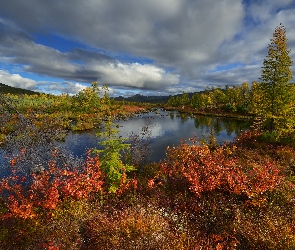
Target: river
{"x": 166, "y": 128}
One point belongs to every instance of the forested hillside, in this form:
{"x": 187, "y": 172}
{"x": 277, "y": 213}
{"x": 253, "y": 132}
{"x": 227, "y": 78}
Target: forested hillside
{"x": 5, "y": 89}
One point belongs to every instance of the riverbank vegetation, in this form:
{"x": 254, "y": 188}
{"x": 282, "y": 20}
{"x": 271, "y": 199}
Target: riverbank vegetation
{"x": 86, "y": 110}
{"x": 238, "y": 195}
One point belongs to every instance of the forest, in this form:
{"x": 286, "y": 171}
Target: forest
{"x": 238, "y": 195}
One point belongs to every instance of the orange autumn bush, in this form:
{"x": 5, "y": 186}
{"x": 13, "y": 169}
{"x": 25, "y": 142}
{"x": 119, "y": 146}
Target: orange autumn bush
{"x": 216, "y": 191}
{"x": 46, "y": 189}
{"x": 207, "y": 170}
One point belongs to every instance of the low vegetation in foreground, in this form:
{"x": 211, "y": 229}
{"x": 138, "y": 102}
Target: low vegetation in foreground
{"x": 236, "y": 196}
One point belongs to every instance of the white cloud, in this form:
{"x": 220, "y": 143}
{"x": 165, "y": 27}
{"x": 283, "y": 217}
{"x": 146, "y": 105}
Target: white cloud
{"x": 15, "y": 80}
{"x": 135, "y": 75}
{"x": 47, "y": 61}
{"x": 265, "y": 10}
{"x": 64, "y": 87}
{"x": 183, "y": 41}
{"x": 167, "y": 31}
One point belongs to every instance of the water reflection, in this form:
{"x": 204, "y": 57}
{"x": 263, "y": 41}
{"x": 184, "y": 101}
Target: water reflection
{"x": 167, "y": 129}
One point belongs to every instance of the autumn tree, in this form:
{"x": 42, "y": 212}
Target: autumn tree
{"x": 276, "y": 106}
{"x": 196, "y": 101}
{"x": 179, "y": 100}
{"x": 88, "y": 99}
{"x": 255, "y": 97}
{"x": 219, "y": 97}
{"x": 185, "y": 100}
{"x": 171, "y": 101}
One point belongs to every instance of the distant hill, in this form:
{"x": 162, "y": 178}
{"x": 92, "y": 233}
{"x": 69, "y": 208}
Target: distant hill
{"x": 148, "y": 99}
{"x": 5, "y": 89}
{"x": 142, "y": 98}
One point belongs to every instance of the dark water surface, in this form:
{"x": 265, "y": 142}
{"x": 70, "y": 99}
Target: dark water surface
{"x": 166, "y": 129}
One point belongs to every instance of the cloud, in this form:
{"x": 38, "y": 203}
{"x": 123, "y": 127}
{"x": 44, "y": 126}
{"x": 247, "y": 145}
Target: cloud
{"x": 83, "y": 65}
{"x": 163, "y": 46}
{"x": 250, "y": 47}
{"x": 159, "y": 127}
{"x": 15, "y": 80}
{"x": 63, "y": 87}
{"x": 262, "y": 11}
{"x": 136, "y": 75}
{"x": 170, "y": 32}
{"x": 234, "y": 76}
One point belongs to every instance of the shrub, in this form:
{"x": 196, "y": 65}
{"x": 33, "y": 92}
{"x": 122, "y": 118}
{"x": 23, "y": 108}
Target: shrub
{"x": 45, "y": 190}
{"x": 216, "y": 192}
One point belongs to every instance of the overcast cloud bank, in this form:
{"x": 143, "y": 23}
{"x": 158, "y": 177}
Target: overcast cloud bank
{"x": 137, "y": 46}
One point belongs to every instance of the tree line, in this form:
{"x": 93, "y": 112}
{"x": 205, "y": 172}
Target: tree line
{"x": 271, "y": 99}
{"x": 229, "y": 99}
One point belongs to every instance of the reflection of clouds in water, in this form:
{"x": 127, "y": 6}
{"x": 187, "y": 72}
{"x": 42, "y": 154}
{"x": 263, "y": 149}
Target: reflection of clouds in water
{"x": 126, "y": 127}
{"x": 159, "y": 129}
{"x": 158, "y": 126}
{"x": 167, "y": 129}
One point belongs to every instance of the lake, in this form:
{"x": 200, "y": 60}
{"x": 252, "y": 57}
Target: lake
{"x": 166, "y": 128}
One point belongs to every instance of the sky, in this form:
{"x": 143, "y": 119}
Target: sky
{"x": 146, "y": 47}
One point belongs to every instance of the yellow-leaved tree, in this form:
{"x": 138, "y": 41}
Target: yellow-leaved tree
{"x": 276, "y": 105}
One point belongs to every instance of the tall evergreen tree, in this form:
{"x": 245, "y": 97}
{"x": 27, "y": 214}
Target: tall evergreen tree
{"x": 277, "y": 103}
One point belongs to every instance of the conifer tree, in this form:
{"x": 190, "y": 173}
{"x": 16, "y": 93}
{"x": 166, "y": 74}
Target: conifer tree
{"x": 111, "y": 155}
{"x": 276, "y": 105}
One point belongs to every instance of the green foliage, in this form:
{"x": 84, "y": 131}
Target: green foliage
{"x": 80, "y": 112}
{"x": 229, "y": 108}
{"x": 88, "y": 99}
{"x": 111, "y": 157}
{"x": 236, "y": 99}
{"x": 200, "y": 101}
{"x": 196, "y": 102}
{"x": 272, "y": 100}
{"x": 276, "y": 104}
{"x": 179, "y": 100}
{"x": 185, "y": 100}
{"x": 105, "y": 98}
{"x": 219, "y": 96}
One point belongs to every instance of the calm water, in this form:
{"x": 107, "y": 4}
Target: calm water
{"x": 166, "y": 129}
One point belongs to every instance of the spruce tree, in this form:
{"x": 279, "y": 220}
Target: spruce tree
{"x": 277, "y": 103}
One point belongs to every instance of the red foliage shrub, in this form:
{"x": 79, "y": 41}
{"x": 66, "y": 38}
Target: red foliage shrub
{"x": 216, "y": 191}
{"x": 48, "y": 188}
{"x": 209, "y": 170}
